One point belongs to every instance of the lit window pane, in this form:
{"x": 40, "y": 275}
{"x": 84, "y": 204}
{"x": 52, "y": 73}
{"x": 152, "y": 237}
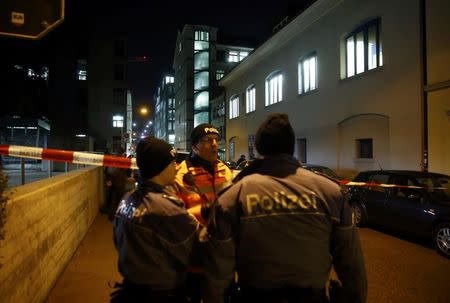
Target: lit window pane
{"x": 201, "y": 60}
{"x": 201, "y": 45}
{"x": 372, "y": 48}
{"x": 359, "y": 52}
{"x": 250, "y": 100}
{"x": 242, "y": 55}
{"x": 233, "y": 56}
{"x": 172, "y": 139}
{"x": 272, "y": 88}
{"x": 234, "y": 107}
{"x": 300, "y": 78}
{"x": 201, "y": 80}
{"x": 380, "y": 55}
{"x": 280, "y": 87}
{"x": 313, "y": 73}
{"x": 350, "y": 57}
{"x": 200, "y": 118}
{"x": 201, "y": 100}
{"x": 306, "y": 75}
{"x": 117, "y": 121}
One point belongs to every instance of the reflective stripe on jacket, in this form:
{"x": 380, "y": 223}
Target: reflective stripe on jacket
{"x": 208, "y": 186}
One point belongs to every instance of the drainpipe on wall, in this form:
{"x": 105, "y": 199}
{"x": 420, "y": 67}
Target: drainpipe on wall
{"x": 424, "y": 84}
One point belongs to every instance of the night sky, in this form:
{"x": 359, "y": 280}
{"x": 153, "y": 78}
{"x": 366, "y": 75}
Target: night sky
{"x": 151, "y": 27}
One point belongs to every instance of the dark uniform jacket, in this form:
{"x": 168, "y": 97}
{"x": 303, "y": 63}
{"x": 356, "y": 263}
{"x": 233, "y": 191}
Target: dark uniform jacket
{"x": 153, "y": 234}
{"x": 209, "y": 179}
{"x": 281, "y": 225}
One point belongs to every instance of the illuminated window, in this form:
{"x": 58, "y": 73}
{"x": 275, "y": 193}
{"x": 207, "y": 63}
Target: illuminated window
{"x": 237, "y": 56}
{"x": 250, "y": 99}
{"x": 31, "y": 73}
{"x": 274, "y": 89}
{"x": 242, "y": 55}
{"x": 219, "y": 74}
{"x": 307, "y": 74}
{"x": 201, "y": 36}
{"x": 201, "y": 60}
{"x": 117, "y": 121}
{"x": 201, "y": 80}
{"x": 169, "y": 79}
{"x": 201, "y": 100}
{"x": 201, "y": 117}
{"x": 233, "y": 56}
{"x": 172, "y": 139}
{"x": 363, "y": 49}
{"x": 234, "y": 107}
{"x": 82, "y": 69}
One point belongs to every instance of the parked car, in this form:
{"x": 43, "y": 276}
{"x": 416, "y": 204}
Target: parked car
{"x": 321, "y": 170}
{"x": 230, "y": 164}
{"x": 243, "y": 164}
{"x": 412, "y": 202}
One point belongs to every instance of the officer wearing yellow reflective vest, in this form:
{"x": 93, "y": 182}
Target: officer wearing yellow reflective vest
{"x": 282, "y": 228}
{"x": 199, "y": 180}
{"x": 202, "y": 175}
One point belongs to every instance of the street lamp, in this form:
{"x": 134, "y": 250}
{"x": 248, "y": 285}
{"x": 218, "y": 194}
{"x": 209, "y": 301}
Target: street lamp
{"x": 143, "y": 110}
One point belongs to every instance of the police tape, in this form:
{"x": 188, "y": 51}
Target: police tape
{"x": 67, "y": 156}
{"x": 353, "y": 183}
{"x": 368, "y": 184}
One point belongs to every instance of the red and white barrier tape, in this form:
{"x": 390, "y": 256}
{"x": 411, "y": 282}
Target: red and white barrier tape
{"x": 67, "y": 156}
{"x": 122, "y": 162}
{"x": 351, "y": 183}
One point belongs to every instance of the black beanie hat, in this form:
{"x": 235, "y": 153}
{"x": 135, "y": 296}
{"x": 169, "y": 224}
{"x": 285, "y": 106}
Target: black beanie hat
{"x": 153, "y": 155}
{"x": 275, "y": 135}
{"x": 201, "y": 130}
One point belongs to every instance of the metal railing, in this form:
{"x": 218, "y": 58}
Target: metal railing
{"x": 22, "y": 171}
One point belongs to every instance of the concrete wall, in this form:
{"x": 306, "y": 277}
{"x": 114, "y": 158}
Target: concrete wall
{"x": 46, "y": 221}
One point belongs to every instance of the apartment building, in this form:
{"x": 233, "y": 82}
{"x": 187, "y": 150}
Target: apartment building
{"x": 164, "y": 100}
{"x": 199, "y": 63}
{"x": 366, "y": 85}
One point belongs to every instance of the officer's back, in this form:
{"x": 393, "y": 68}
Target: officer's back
{"x": 282, "y": 228}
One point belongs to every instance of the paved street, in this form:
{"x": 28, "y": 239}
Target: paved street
{"x": 398, "y": 270}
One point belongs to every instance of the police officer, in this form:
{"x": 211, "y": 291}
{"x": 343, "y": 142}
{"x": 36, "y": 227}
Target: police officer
{"x": 200, "y": 178}
{"x": 282, "y": 228}
{"x": 202, "y": 175}
{"x": 153, "y": 232}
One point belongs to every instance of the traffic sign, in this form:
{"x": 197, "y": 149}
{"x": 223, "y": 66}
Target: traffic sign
{"x": 30, "y": 19}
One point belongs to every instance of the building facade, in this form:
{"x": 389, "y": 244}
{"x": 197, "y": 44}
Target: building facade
{"x": 199, "y": 63}
{"x": 108, "y": 96}
{"x": 164, "y": 100}
{"x": 365, "y": 84}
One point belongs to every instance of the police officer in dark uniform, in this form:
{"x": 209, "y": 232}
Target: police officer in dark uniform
{"x": 153, "y": 231}
{"x": 282, "y": 228}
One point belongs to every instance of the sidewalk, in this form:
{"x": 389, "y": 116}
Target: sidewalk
{"x": 93, "y": 265}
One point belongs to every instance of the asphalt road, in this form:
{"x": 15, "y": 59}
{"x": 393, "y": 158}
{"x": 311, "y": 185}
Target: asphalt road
{"x": 402, "y": 270}
{"x": 398, "y": 270}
